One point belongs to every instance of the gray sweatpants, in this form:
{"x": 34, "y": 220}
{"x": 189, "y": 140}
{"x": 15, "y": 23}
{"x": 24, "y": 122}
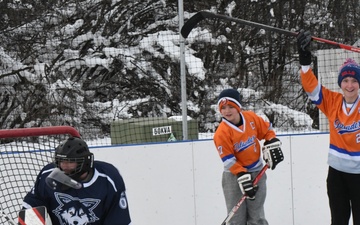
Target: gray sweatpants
{"x": 251, "y": 212}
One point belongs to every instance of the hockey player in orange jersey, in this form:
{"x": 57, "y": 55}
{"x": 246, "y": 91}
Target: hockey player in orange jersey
{"x": 237, "y": 141}
{"x": 343, "y": 113}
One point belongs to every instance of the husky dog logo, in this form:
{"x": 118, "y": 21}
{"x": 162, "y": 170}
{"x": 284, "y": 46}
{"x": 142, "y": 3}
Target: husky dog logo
{"x": 75, "y": 211}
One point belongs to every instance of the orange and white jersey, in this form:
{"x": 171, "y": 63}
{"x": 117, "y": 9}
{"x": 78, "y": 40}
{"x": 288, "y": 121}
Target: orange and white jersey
{"x": 239, "y": 147}
{"x": 344, "y": 124}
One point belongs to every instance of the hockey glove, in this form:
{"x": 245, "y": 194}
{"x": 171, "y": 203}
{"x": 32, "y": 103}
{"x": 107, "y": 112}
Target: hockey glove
{"x": 303, "y": 45}
{"x": 246, "y": 185}
{"x": 272, "y": 152}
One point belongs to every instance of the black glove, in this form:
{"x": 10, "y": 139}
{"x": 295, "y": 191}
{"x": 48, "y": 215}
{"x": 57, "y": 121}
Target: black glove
{"x": 303, "y": 45}
{"x": 246, "y": 185}
{"x": 272, "y": 152}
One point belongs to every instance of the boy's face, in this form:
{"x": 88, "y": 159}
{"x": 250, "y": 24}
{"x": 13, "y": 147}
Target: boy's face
{"x": 230, "y": 113}
{"x": 350, "y": 88}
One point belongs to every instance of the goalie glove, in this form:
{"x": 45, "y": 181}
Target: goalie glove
{"x": 272, "y": 152}
{"x": 246, "y": 185}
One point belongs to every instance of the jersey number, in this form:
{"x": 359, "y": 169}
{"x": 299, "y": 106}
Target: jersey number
{"x": 357, "y": 138}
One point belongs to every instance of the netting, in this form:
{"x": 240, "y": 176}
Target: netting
{"x": 21, "y": 159}
{"x": 112, "y": 69}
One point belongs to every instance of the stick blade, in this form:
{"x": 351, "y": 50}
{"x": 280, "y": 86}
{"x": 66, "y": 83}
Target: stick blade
{"x": 57, "y": 177}
{"x": 191, "y": 23}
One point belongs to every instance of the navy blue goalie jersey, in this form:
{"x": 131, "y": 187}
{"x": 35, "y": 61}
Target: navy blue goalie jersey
{"x": 101, "y": 200}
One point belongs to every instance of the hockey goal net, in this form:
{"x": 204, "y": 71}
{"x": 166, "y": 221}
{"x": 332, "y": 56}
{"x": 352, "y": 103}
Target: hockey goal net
{"x": 23, "y": 152}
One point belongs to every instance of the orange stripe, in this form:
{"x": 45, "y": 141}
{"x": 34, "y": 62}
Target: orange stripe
{"x": 22, "y": 222}
{"x": 228, "y": 102}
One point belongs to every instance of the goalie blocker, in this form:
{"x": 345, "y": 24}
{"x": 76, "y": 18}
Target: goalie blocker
{"x": 34, "y": 216}
{"x": 272, "y": 152}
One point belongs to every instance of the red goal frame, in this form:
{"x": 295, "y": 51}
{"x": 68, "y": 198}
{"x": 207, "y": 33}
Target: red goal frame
{"x": 23, "y": 152}
{"x": 38, "y": 131}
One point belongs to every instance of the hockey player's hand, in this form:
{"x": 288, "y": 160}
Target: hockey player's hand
{"x": 246, "y": 185}
{"x": 272, "y": 152}
{"x": 303, "y": 45}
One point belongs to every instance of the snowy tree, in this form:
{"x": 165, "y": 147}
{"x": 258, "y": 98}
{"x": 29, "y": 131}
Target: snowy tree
{"x": 88, "y": 63}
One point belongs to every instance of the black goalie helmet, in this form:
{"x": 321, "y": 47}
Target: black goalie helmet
{"x": 75, "y": 150}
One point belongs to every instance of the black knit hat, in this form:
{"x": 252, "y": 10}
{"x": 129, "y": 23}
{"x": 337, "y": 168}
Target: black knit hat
{"x": 229, "y": 96}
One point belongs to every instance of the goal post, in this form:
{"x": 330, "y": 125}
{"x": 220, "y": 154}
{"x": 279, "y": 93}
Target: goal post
{"x": 23, "y": 153}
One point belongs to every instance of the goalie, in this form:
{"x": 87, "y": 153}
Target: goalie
{"x": 75, "y": 189}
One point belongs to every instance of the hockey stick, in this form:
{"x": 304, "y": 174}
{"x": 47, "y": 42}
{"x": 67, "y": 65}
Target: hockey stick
{"x": 237, "y": 206}
{"x": 7, "y": 217}
{"x": 199, "y": 16}
{"x": 3, "y": 214}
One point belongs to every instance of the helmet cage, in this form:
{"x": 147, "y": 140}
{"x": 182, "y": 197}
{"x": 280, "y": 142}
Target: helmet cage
{"x": 84, "y": 164}
{"x": 74, "y": 150}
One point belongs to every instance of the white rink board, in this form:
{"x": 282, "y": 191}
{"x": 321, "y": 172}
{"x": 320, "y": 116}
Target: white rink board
{"x": 180, "y": 183}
